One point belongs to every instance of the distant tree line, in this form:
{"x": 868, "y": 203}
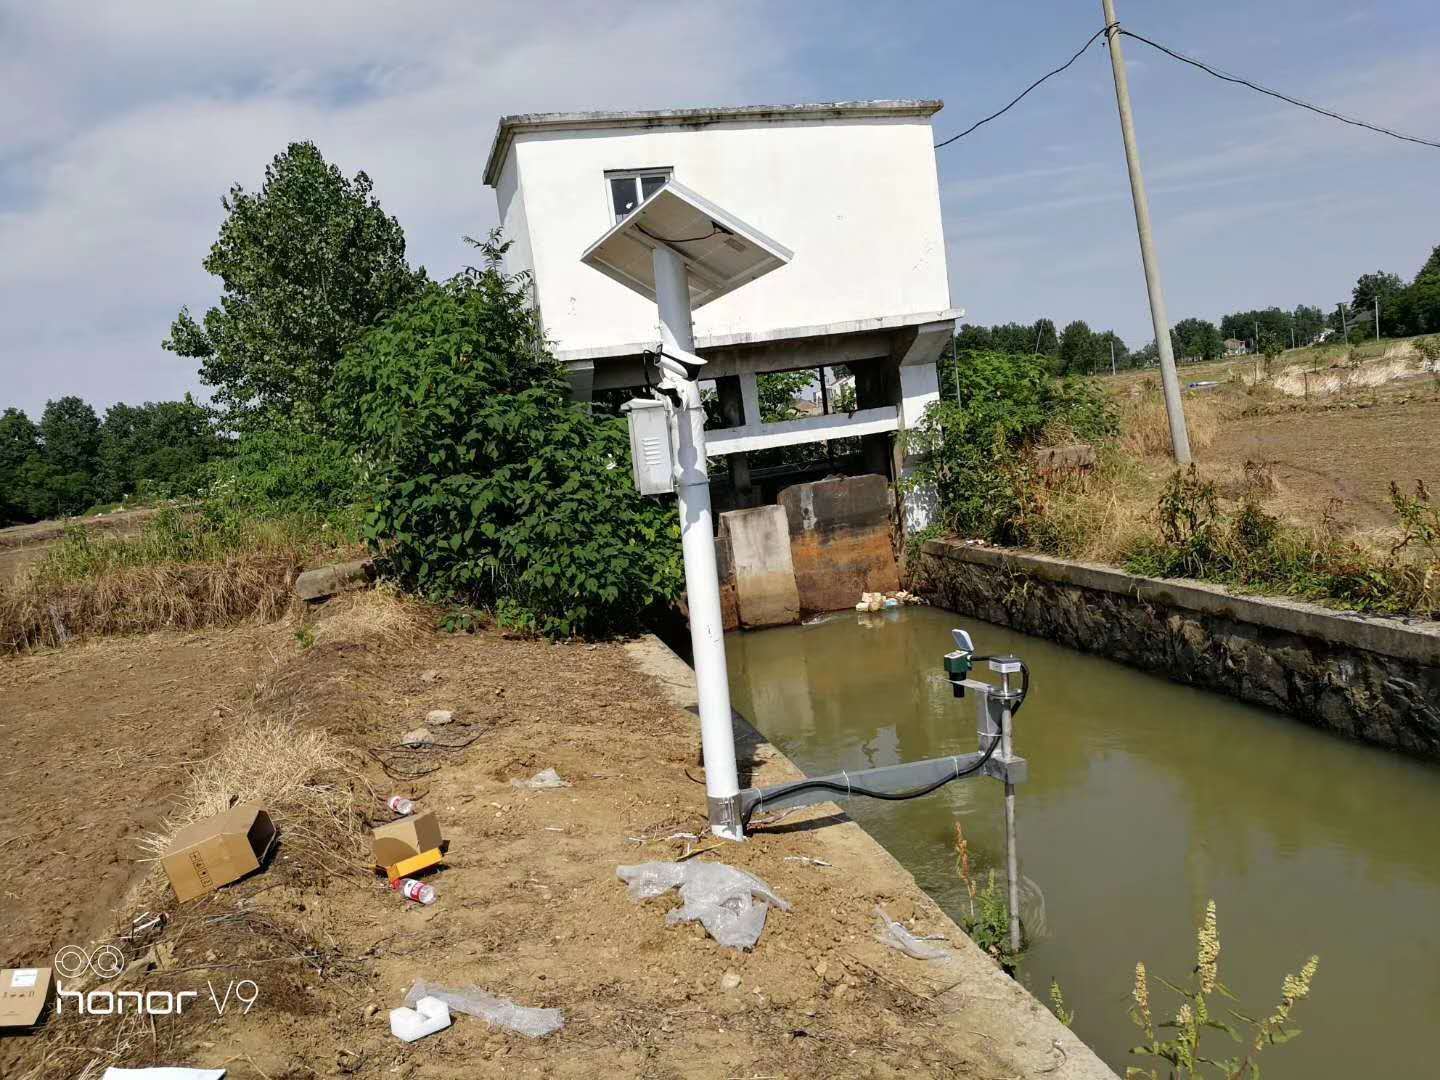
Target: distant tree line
{"x": 1405, "y": 310}
{"x": 72, "y": 460}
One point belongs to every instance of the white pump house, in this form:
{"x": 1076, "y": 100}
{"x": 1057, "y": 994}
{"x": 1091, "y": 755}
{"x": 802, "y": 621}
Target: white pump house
{"x": 850, "y": 188}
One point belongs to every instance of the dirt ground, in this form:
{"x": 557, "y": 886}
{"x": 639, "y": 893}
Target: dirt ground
{"x": 22, "y": 546}
{"x": 1341, "y": 459}
{"x": 529, "y": 905}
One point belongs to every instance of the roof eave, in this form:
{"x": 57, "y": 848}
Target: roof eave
{"x": 519, "y": 123}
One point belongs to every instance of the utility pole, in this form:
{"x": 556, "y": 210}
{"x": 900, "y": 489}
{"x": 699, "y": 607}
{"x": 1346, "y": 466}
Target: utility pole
{"x": 1344, "y": 326}
{"x": 1179, "y": 438}
{"x": 1112, "y": 355}
{"x": 1256, "y": 324}
{"x": 1377, "y": 318}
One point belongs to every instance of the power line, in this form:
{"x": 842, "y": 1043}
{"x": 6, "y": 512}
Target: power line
{"x": 1079, "y": 52}
{"x": 1209, "y": 70}
{"x": 1227, "y": 77}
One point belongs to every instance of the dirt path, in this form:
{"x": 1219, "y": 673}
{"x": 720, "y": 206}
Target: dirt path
{"x": 529, "y": 905}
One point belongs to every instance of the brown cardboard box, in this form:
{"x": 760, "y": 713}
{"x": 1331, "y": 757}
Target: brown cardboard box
{"x": 406, "y": 838}
{"x": 23, "y": 994}
{"x": 216, "y": 850}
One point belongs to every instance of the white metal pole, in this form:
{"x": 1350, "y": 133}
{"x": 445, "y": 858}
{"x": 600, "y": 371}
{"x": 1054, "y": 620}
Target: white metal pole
{"x": 1012, "y": 842}
{"x": 697, "y": 540}
{"x": 1179, "y": 437}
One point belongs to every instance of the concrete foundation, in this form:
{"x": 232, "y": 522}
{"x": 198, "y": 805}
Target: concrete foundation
{"x": 1373, "y": 679}
{"x": 757, "y": 546}
{"x": 840, "y": 540}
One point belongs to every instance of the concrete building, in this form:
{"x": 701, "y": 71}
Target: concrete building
{"x": 850, "y": 187}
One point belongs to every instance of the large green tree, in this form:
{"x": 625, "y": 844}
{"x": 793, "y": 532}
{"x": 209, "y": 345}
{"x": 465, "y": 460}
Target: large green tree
{"x": 160, "y": 446}
{"x": 1077, "y": 349}
{"x": 1196, "y": 339}
{"x": 19, "y": 445}
{"x": 306, "y": 264}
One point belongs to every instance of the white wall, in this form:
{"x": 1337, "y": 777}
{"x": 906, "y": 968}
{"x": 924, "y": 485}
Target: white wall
{"x": 856, "y": 200}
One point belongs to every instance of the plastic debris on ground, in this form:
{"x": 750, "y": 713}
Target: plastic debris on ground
{"x": 497, "y": 1011}
{"x": 548, "y": 778}
{"x": 729, "y": 903}
{"x": 162, "y": 1073}
{"x": 439, "y": 717}
{"x": 897, "y": 937}
{"x": 428, "y": 1016}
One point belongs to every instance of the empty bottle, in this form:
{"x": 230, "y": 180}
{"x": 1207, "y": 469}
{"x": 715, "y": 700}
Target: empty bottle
{"x": 414, "y": 890}
{"x": 400, "y": 804}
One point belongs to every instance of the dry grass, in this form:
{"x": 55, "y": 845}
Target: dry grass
{"x": 42, "y": 610}
{"x": 306, "y": 780}
{"x": 1145, "y": 430}
{"x": 382, "y": 617}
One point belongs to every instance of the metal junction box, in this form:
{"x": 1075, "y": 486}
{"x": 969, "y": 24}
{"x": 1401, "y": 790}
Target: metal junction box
{"x": 651, "y": 457}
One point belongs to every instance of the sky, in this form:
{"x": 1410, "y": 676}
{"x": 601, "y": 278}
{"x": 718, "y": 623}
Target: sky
{"x": 121, "y": 125}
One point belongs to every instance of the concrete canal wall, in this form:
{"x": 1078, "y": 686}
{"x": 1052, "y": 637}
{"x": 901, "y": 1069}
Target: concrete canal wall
{"x": 1368, "y": 678}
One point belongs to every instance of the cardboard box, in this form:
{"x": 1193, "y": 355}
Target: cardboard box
{"x": 23, "y": 994}
{"x": 406, "y": 838}
{"x": 413, "y": 865}
{"x": 217, "y": 850}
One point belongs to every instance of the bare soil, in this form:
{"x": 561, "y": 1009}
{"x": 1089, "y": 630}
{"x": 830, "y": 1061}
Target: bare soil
{"x": 529, "y": 905}
{"x": 1339, "y": 457}
{"x": 22, "y": 546}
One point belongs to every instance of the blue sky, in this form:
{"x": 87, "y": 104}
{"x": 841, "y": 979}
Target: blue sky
{"x": 123, "y": 124}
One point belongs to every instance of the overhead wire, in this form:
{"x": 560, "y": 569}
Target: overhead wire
{"x": 1227, "y": 77}
{"x": 1209, "y": 70}
{"x": 1078, "y": 53}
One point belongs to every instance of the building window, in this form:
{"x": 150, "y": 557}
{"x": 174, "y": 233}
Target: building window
{"x": 630, "y": 188}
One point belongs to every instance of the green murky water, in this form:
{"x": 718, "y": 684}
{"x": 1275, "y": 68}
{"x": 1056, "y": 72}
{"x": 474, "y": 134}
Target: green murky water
{"x": 1145, "y": 799}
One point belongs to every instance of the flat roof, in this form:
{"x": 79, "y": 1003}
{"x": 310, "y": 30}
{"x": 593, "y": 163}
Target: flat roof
{"x": 510, "y": 126}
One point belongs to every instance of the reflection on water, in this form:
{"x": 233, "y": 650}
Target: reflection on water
{"x": 1145, "y": 798}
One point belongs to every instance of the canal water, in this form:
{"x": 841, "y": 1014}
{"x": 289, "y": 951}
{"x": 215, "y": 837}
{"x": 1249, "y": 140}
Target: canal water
{"x": 1145, "y": 799}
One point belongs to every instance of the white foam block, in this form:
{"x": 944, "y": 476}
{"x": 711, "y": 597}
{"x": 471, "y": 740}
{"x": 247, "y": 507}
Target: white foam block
{"x": 429, "y": 1016}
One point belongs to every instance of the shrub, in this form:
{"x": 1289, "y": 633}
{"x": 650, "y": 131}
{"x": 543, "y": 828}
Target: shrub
{"x": 491, "y": 487}
{"x": 970, "y": 447}
{"x": 280, "y": 467}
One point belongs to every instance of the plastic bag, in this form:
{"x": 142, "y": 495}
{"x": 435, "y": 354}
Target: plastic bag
{"x": 497, "y": 1011}
{"x": 163, "y": 1072}
{"x": 549, "y": 778}
{"x": 721, "y": 897}
{"x": 897, "y": 937}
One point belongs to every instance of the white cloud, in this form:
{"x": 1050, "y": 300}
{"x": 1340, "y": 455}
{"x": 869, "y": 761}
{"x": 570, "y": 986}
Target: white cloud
{"x": 126, "y": 123}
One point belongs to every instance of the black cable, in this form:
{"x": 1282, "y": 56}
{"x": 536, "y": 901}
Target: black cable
{"x": 1027, "y": 90}
{"x": 715, "y": 230}
{"x": 896, "y": 796}
{"x": 1227, "y": 77}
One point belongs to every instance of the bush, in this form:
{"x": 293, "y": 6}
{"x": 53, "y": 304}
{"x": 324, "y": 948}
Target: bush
{"x": 970, "y": 448}
{"x": 491, "y": 487}
{"x": 282, "y": 468}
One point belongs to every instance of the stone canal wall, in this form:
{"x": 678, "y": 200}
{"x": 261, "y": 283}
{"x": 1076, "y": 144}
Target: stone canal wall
{"x": 1373, "y": 679}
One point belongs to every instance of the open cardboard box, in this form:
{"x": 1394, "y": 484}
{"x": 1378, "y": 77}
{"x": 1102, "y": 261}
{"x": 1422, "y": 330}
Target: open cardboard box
{"x": 24, "y": 993}
{"x": 408, "y": 844}
{"x": 217, "y": 850}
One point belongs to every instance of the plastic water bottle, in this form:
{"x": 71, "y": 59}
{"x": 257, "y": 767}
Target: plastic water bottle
{"x": 414, "y": 890}
{"x": 400, "y": 804}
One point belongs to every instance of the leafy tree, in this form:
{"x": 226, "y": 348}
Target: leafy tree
{"x": 1044, "y": 340}
{"x": 970, "y": 338}
{"x": 161, "y": 446}
{"x": 1196, "y": 339}
{"x": 19, "y": 445}
{"x": 70, "y": 432}
{"x": 1307, "y": 322}
{"x": 777, "y": 391}
{"x": 1014, "y": 338}
{"x": 491, "y": 486}
{"x": 307, "y": 264}
{"x": 1377, "y": 286}
{"x": 1103, "y": 343}
{"x": 1077, "y": 349}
